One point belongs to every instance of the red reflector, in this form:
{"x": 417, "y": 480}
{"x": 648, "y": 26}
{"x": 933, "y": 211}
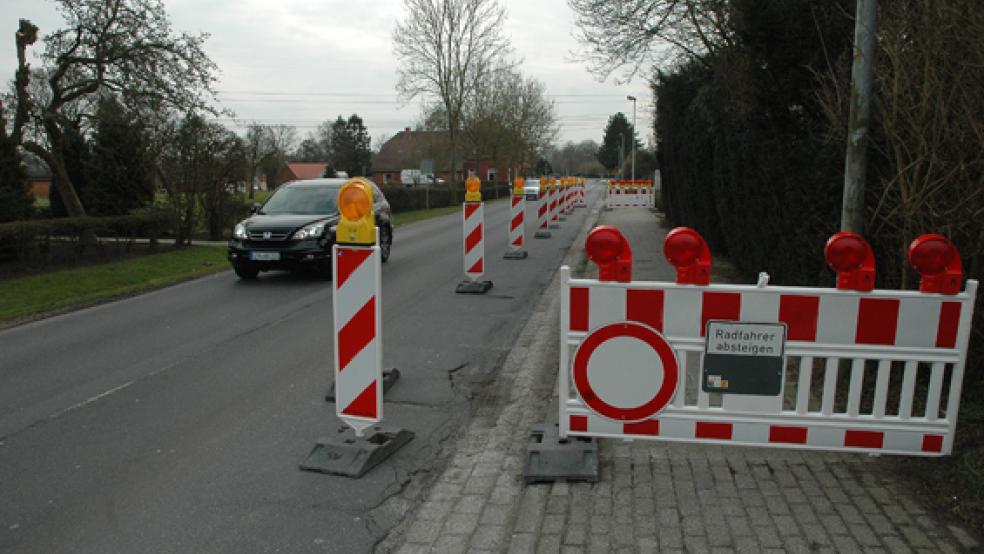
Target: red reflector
{"x": 864, "y": 439}
{"x": 648, "y": 427}
{"x": 708, "y": 430}
{"x": 789, "y": 435}
{"x": 932, "y": 443}
{"x": 579, "y": 423}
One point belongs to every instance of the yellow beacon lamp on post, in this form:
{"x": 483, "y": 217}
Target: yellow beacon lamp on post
{"x": 358, "y": 222}
{"x": 473, "y": 188}
{"x": 473, "y": 231}
{"x": 517, "y": 224}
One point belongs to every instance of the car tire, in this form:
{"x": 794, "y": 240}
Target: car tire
{"x": 385, "y": 243}
{"x": 246, "y": 271}
{"x": 324, "y": 269}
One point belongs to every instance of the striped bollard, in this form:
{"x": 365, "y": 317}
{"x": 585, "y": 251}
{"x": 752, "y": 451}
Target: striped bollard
{"x": 517, "y": 223}
{"x": 554, "y": 205}
{"x": 543, "y": 212}
{"x": 569, "y": 196}
{"x": 564, "y": 198}
{"x": 474, "y": 240}
{"x": 581, "y": 199}
{"x": 357, "y": 311}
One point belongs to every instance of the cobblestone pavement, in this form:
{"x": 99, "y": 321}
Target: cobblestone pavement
{"x": 652, "y": 497}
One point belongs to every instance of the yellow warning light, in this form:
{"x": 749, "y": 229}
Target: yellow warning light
{"x": 518, "y": 186}
{"x": 358, "y": 222}
{"x": 553, "y": 183}
{"x": 474, "y": 188}
{"x": 543, "y": 185}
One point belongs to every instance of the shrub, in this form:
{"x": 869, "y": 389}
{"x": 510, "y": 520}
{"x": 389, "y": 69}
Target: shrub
{"x": 32, "y": 239}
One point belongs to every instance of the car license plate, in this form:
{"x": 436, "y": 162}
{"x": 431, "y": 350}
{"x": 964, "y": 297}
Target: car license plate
{"x": 264, "y": 256}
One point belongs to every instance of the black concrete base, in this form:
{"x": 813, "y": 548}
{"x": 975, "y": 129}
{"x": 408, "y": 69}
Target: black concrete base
{"x": 550, "y": 458}
{"x": 555, "y": 225}
{"x": 515, "y": 255}
{"x": 390, "y": 376}
{"x": 352, "y": 456}
{"x": 562, "y": 218}
{"x": 473, "y": 287}
{"x": 542, "y": 235}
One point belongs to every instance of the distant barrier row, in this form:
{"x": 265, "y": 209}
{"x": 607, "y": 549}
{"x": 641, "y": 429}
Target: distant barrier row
{"x": 630, "y": 194}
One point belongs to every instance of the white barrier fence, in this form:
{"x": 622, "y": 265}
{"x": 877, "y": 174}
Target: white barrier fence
{"x": 816, "y": 368}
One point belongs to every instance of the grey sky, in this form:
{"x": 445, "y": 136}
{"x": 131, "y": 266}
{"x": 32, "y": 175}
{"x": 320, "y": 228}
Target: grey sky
{"x": 301, "y": 62}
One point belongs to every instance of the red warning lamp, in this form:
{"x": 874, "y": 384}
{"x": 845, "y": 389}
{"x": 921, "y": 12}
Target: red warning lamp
{"x": 938, "y": 263}
{"x": 607, "y": 247}
{"x": 851, "y": 257}
{"x": 689, "y": 254}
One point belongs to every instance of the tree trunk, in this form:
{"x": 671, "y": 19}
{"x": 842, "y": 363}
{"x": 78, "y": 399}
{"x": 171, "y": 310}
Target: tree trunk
{"x": 66, "y": 190}
{"x": 452, "y": 180}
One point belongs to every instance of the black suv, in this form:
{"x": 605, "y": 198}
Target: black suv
{"x": 295, "y": 229}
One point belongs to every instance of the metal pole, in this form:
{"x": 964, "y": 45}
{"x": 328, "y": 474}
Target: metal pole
{"x": 633, "y": 98}
{"x": 621, "y": 156}
{"x": 856, "y": 159}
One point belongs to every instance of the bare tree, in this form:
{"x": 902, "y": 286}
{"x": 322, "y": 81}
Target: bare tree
{"x": 123, "y": 46}
{"x": 448, "y": 49}
{"x": 633, "y": 34}
{"x": 535, "y": 121}
{"x": 258, "y": 145}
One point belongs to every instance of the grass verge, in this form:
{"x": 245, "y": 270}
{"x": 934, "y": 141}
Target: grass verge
{"x": 403, "y": 218}
{"x": 32, "y": 295}
{"x": 57, "y": 290}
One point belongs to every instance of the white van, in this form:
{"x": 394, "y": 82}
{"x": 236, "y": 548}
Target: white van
{"x": 531, "y": 189}
{"x": 411, "y": 177}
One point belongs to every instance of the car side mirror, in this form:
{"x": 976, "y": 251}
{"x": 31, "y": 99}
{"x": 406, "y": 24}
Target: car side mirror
{"x": 254, "y": 208}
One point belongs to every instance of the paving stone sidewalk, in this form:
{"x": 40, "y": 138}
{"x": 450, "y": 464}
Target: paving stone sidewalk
{"x": 652, "y": 497}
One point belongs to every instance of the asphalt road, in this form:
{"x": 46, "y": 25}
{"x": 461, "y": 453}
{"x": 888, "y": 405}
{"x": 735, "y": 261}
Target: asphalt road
{"x": 175, "y": 421}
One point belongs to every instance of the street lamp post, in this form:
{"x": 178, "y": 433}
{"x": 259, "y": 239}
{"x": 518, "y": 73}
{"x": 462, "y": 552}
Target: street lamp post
{"x": 633, "y": 99}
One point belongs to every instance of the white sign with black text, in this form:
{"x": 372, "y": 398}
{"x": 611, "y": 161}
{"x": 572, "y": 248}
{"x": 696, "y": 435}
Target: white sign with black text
{"x": 744, "y": 357}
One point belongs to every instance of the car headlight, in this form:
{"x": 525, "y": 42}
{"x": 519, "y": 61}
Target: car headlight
{"x": 240, "y": 232}
{"x": 309, "y": 232}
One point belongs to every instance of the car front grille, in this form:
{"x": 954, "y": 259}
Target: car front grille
{"x": 268, "y": 236}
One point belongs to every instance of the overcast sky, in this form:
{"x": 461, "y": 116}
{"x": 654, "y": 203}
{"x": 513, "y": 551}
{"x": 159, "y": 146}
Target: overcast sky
{"x": 300, "y": 62}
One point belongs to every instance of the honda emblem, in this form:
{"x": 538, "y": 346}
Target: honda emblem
{"x": 267, "y": 235}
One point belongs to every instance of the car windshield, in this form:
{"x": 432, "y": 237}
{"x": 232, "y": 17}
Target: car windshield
{"x": 302, "y": 200}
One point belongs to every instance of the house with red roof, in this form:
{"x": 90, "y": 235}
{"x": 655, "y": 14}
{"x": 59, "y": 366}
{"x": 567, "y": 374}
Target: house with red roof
{"x": 299, "y": 172}
{"x": 408, "y": 148}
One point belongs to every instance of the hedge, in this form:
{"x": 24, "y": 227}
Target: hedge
{"x": 407, "y": 199}
{"x": 28, "y": 240}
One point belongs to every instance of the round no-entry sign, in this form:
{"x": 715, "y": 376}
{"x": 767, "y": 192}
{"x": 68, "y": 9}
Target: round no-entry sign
{"x": 625, "y": 371}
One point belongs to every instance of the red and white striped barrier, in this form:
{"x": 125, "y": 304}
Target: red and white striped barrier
{"x": 473, "y": 226}
{"x": 629, "y": 194}
{"x": 634, "y": 356}
{"x": 474, "y": 232}
{"x": 358, "y": 341}
{"x": 581, "y": 198}
{"x": 517, "y": 224}
{"x": 554, "y": 204}
{"x": 543, "y": 213}
{"x": 359, "y": 378}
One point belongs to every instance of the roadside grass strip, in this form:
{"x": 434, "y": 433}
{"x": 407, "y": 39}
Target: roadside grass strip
{"x": 36, "y": 294}
{"x": 403, "y": 218}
